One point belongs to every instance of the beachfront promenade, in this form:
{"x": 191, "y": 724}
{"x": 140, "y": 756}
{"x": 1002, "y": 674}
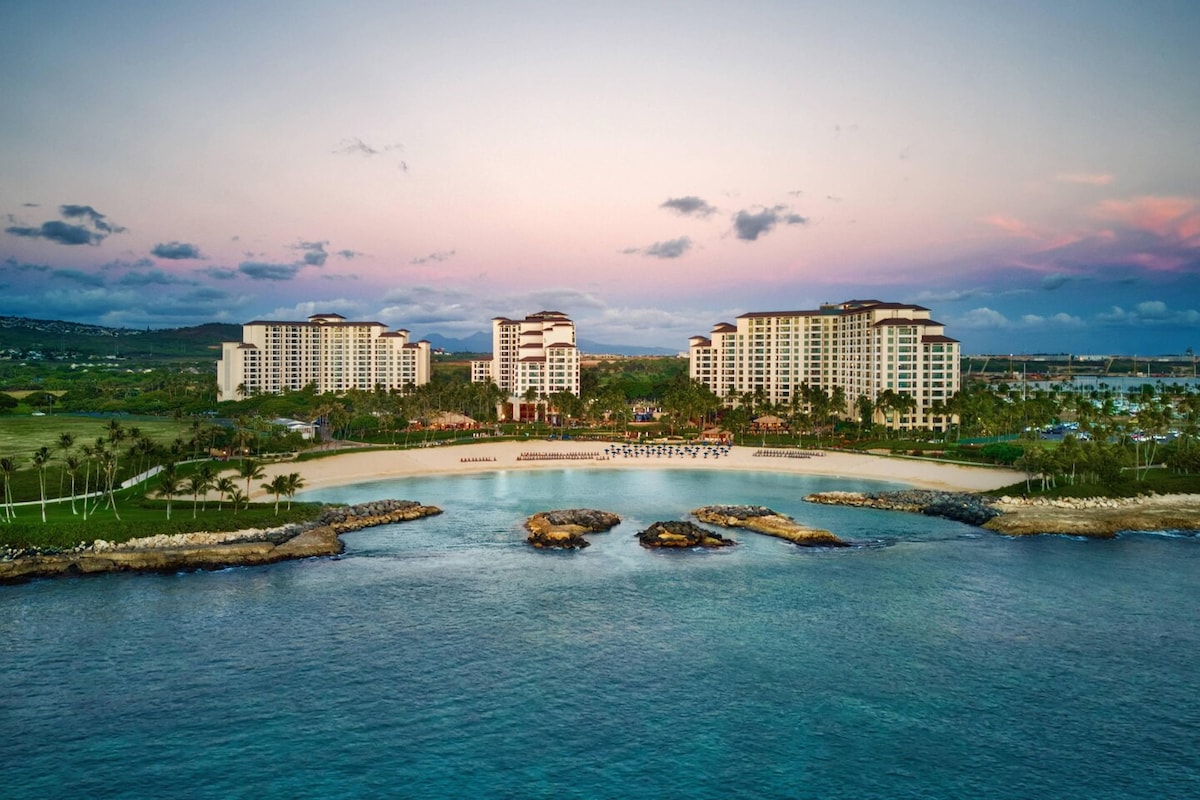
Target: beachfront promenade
{"x": 361, "y": 467}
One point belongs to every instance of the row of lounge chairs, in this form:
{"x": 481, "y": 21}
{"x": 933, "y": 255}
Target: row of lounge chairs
{"x": 588, "y": 456}
{"x": 787, "y": 453}
{"x": 667, "y": 451}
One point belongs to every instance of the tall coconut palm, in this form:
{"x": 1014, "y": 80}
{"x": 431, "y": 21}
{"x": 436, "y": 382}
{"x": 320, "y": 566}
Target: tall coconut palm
{"x": 206, "y": 473}
{"x": 41, "y": 457}
{"x": 66, "y": 441}
{"x": 197, "y": 485}
{"x": 168, "y": 485}
{"x": 109, "y": 465}
{"x": 236, "y": 498}
{"x": 8, "y": 468}
{"x": 292, "y": 483}
{"x": 71, "y": 465}
{"x": 251, "y": 470}
{"x": 277, "y": 486}
{"x": 225, "y": 486}
{"x": 89, "y": 455}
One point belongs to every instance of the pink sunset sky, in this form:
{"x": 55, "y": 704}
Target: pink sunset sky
{"x": 1028, "y": 171}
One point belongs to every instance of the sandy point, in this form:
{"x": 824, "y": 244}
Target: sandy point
{"x": 372, "y": 465}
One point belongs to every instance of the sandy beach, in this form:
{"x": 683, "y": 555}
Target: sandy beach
{"x": 360, "y": 467}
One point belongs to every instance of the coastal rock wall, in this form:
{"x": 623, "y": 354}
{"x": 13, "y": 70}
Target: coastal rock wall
{"x": 1096, "y": 517}
{"x": 972, "y": 509}
{"x": 216, "y": 550}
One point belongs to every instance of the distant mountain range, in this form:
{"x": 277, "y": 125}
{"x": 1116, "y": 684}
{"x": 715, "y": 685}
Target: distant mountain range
{"x": 481, "y": 342}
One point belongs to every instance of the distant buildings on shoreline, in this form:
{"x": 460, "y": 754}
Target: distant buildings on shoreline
{"x": 532, "y": 358}
{"x": 890, "y": 355}
{"x": 865, "y": 348}
{"x": 327, "y": 351}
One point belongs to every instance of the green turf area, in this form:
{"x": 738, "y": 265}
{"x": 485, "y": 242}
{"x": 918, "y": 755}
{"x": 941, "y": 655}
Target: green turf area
{"x": 139, "y": 517}
{"x": 20, "y": 436}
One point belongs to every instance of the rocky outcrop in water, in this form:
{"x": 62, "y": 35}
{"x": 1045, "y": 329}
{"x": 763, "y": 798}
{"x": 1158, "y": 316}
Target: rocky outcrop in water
{"x": 972, "y": 509}
{"x": 681, "y": 534}
{"x": 761, "y": 519}
{"x": 195, "y": 551}
{"x": 564, "y": 528}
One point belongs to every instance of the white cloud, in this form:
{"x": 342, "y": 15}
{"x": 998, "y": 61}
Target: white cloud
{"x": 983, "y": 318}
{"x": 1087, "y": 178}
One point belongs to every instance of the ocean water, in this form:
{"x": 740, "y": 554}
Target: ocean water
{"x": 446, "y": 658}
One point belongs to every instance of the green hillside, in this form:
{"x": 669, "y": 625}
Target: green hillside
{"x": 27, "y": 339}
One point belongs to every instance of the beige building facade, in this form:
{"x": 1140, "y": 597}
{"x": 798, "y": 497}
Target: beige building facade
{"x": 327, "y": 350}
{"x": 864, "y": 346}
{"x": 535, "y": 355}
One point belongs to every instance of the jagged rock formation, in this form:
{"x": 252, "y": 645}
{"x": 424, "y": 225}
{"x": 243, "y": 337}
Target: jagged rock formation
{"x": 193, "y": 551}
{"x": 564, "y": 528}
{"x": 972, "y": 509}
{"x": 681, "y": 534}
{"x": 761, "y": 519}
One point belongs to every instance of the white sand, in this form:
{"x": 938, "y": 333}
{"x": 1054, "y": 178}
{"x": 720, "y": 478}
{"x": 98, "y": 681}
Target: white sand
{"x": 372, "y": 465}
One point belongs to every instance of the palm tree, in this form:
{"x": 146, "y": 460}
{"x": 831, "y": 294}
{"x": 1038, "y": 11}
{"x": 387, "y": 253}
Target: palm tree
{"x": 72, "y": 465}
{"x": 108, "y": 460}
{"x": 41, "y": 457}
{"x": 209, "y": 477}
{"x": 292, "y": 483}
{"x": 89, "y": 454}
{"x": 237, "y": 497}
{"x": 8, "y": 468}
{"x": 196, "y": 485}
{"x": 251, "y": 470}
{"x": 116, "y": 435}
{"x": 224, "y": 486}
{"x": 277, "y": 486}
{"x": 65, "y": 442}
{"x": 168, "y": 485}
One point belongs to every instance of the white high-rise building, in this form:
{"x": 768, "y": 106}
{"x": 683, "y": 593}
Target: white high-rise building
{"x": 533, "y": 355}
{"x": 327, "y": 351}
{"x": 864, "y": 346}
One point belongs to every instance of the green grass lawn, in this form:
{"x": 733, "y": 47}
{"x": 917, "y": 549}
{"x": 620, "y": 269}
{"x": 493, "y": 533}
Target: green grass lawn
{"x": 139, "y": 517}
{"x": 1155, "y": 481}
{"x": 21, "y": 435}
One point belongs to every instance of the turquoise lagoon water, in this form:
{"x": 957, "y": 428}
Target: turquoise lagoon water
{"x": 445, "y": 658}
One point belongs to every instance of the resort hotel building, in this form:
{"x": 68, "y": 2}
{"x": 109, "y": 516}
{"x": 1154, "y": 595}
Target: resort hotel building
{"x": 864, "y": 346}
{"x": 533, "y": 357}
{"x": 328, "y": 351}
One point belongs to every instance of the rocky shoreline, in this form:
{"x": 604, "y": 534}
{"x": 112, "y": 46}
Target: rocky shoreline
{"x": 1095, "y": 517}
{"x": 205, "y": 551}
{"x": 965, "y": 507}
{"x": 761, "y": 519}
{"x": 1092, "y": 517}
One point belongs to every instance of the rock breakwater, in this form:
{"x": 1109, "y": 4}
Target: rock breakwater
{"x": 211, "y": 550}
{"x": 761, "y": 519}
{"x": 972, "y": 509}
{"x": 564, "y": 528}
